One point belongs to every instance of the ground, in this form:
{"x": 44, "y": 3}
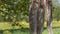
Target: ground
{"x": 8, "y": 29}
{"x": 26, "y": 31}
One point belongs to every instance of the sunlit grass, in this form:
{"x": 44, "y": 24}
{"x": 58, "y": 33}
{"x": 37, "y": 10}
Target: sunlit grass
{"x": 7, "y": 26}
{"x": 24, "y": 24}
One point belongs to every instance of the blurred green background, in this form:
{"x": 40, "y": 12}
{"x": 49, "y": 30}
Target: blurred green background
{"x": 14, "y": 17}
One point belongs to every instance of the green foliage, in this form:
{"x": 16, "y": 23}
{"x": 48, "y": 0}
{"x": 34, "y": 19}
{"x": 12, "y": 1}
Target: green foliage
{"x": 56, "y": 13}
{"x": 17, "y": 10}
{"x": 14, "y": 10}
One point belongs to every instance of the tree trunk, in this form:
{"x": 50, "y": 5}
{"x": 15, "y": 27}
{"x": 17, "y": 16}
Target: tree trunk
{"x": 49, "y": 15}
{"x": 40, "y": 16}
{"x": 32, "y": 17}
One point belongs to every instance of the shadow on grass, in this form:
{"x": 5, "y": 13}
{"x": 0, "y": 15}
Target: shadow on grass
{"x": 15, "y": 31}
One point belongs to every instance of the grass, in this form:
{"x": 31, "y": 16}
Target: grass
{"x": 26, "y": 31}
{"x": 24, "y": 24}
{"x": 55, "y": 30}
{"x": 21, "y": 31}
{"x": 7, "y": 26}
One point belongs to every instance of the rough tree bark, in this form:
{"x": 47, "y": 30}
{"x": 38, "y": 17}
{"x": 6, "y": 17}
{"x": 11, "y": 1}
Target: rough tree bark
{"x": 49, "y": 15}
{"x": 40, "y": 16}
{"x": 32, "y": 17}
